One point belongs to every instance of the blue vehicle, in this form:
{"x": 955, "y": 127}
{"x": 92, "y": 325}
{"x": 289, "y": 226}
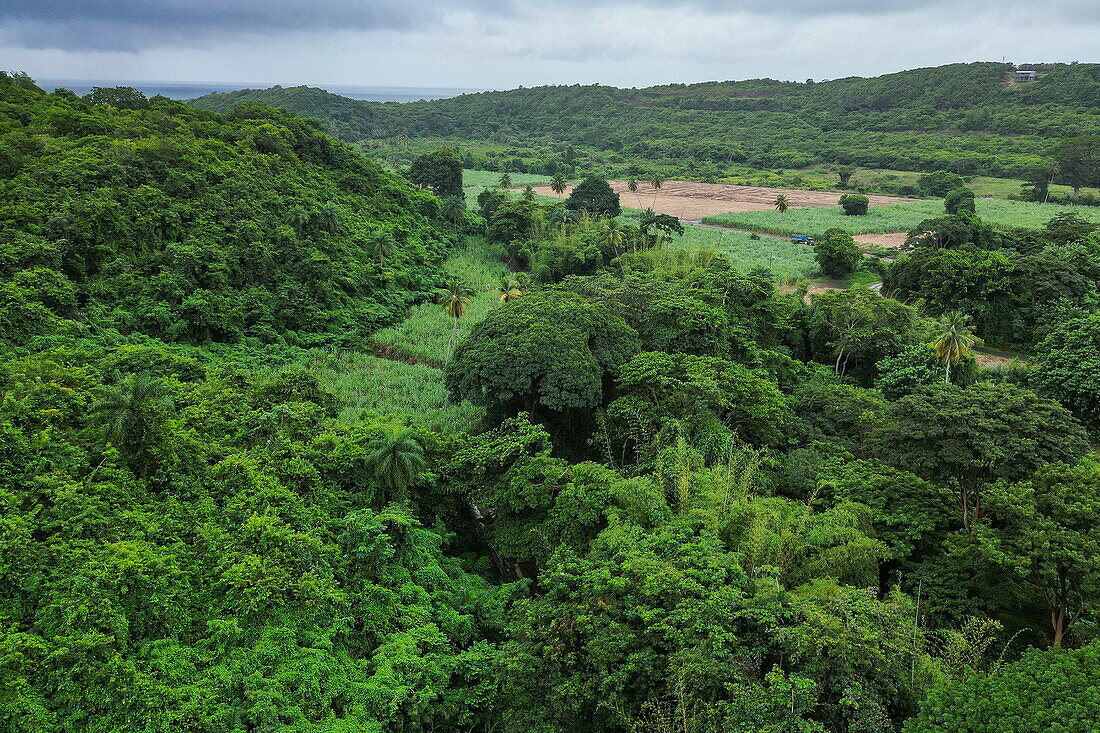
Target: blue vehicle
{"x": 802, "y": 239}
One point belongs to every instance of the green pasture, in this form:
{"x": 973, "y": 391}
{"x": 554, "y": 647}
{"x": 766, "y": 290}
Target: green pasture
{"x": 894, "y": 218}
{"x": 786, "y": 260}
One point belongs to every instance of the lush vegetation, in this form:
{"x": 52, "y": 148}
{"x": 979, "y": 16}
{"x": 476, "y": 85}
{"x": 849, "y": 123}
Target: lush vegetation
{"x": 291, "y": 443}
{"x": 965, "y": 118}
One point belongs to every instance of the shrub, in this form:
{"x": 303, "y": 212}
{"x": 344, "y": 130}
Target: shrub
{"x": 939, "y": 183}
{"x": 960, "y": 201}
{"x": 854, "y": 204}
{"x": 837, "y": 253}
{"x": 489, "y": 200}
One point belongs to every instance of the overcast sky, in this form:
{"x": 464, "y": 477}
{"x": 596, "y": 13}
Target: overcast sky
{"x": 505, "y": 43}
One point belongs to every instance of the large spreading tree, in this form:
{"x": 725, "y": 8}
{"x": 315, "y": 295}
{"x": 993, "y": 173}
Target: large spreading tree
{"x": 550, "y": 350}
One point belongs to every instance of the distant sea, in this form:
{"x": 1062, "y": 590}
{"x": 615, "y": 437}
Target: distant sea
{"x": 192, "y": 89}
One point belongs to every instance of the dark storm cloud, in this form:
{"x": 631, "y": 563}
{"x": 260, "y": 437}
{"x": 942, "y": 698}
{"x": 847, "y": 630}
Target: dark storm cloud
{"x": 128, "y": 25}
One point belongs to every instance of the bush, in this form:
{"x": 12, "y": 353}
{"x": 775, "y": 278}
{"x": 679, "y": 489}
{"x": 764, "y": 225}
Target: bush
{"x": 960, "y": 201}
{"x": 837, "y": 253}
{"x": 854, "y": 204}
{"x": 595, "y": 196}
{"x": 489, "y": 200}
{"x": 939, "y": 183}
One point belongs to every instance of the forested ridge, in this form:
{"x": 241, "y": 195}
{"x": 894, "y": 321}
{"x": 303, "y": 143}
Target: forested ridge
{"x": 586, "y": 481}
{"x": 963, "y": 117}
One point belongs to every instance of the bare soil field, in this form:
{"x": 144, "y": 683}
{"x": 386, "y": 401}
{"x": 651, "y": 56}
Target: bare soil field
{"x": 889, "y": 240}
{"x": 692, "y": 200}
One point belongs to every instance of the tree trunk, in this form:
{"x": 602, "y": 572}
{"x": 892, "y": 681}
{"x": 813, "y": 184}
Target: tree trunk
{"x": 487, "y": 537}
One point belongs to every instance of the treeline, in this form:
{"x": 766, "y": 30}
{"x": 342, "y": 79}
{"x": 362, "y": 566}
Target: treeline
{"x": 960, "y": 118}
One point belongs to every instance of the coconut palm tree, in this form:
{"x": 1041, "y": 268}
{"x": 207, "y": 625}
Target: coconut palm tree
{"x": 395, "y": 459}
{"x": 611, "y": 236}
{"x": 131, "y": 416}
{"x": 455, "y": 299}
{"x": 505, "y": 180}
{"x": 558, "y": 184}
{"x": 508, "y": 290}
{"x": 952, "y": 340}
{"x": 782, "y": 203}
{"x": 657, "y": 182}
{"x": 528, "y": 192}
{"x": 632, "y": 186}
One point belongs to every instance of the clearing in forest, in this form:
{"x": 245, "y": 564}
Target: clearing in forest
{"x": 693, "y": 200}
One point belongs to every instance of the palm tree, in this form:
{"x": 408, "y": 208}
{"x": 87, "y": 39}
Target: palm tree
{"x": 558, "y": 184}
{"x": 561, "y": 216}
{"x": 298, "y": 217}
{"x": 632, "y": 186}
{"x": 657, "y": 181}
{"x": 396, "y": 459}
{"x": 611, "y": 236}
{"x": 508, "y": 290}
{"x": 782, "y": 203}
{"x": 505, "y": 180}
{"x": 131, "y": 416}
{"x": 382, "y": 246}
{"x": 454, "y": 210}
{"x": 528, "y": 192}
{"x": 329, "y": 218}
{"x": 953, "y": 340}
{"x": 455, "y": 299}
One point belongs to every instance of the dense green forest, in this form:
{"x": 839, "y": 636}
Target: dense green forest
{"x": 291, "y": 442}
{"x": 966, "y": 118}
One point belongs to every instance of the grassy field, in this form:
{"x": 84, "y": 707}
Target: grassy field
{"x": 474, "y": 182}
{"x": 786, "y": 260}
{"x": 899, "y": 217}
{"x": 428, "y": 334}
{"x": 369, "y": 385}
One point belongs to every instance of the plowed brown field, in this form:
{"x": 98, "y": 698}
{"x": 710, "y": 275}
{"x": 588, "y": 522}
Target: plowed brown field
{"x": 691, "y": 200}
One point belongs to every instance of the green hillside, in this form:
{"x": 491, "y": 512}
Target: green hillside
{"x": 189, "y": 226}
{"x": 962, "y": 117}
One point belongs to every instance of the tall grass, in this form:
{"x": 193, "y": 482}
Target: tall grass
{"x": 894, "y": 218}
{"x": 370, "y": 386}
{"x": 429, "y": 334}
{"x": 786, "y": 260}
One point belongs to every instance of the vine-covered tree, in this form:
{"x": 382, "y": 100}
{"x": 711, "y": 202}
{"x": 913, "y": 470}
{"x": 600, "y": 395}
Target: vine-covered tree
{"x": 595, "y": 196}
{"x": 440, "y": 171}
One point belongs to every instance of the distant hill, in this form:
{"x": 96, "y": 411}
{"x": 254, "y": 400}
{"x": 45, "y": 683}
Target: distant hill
{"x": 970, "y": 118}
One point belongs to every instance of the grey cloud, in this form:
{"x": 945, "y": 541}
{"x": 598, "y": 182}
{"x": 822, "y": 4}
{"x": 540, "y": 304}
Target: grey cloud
{"x": 129, "y": 25}
{"x": 135, "y": 25}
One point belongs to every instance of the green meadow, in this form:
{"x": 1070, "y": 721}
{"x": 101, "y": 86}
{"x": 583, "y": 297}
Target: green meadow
{"x": 895, "y": 218}
{"x": 429, "y": 335}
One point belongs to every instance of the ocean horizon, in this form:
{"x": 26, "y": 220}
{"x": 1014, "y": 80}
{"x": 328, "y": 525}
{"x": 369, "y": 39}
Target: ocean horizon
{"x": 192, "y": 89}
